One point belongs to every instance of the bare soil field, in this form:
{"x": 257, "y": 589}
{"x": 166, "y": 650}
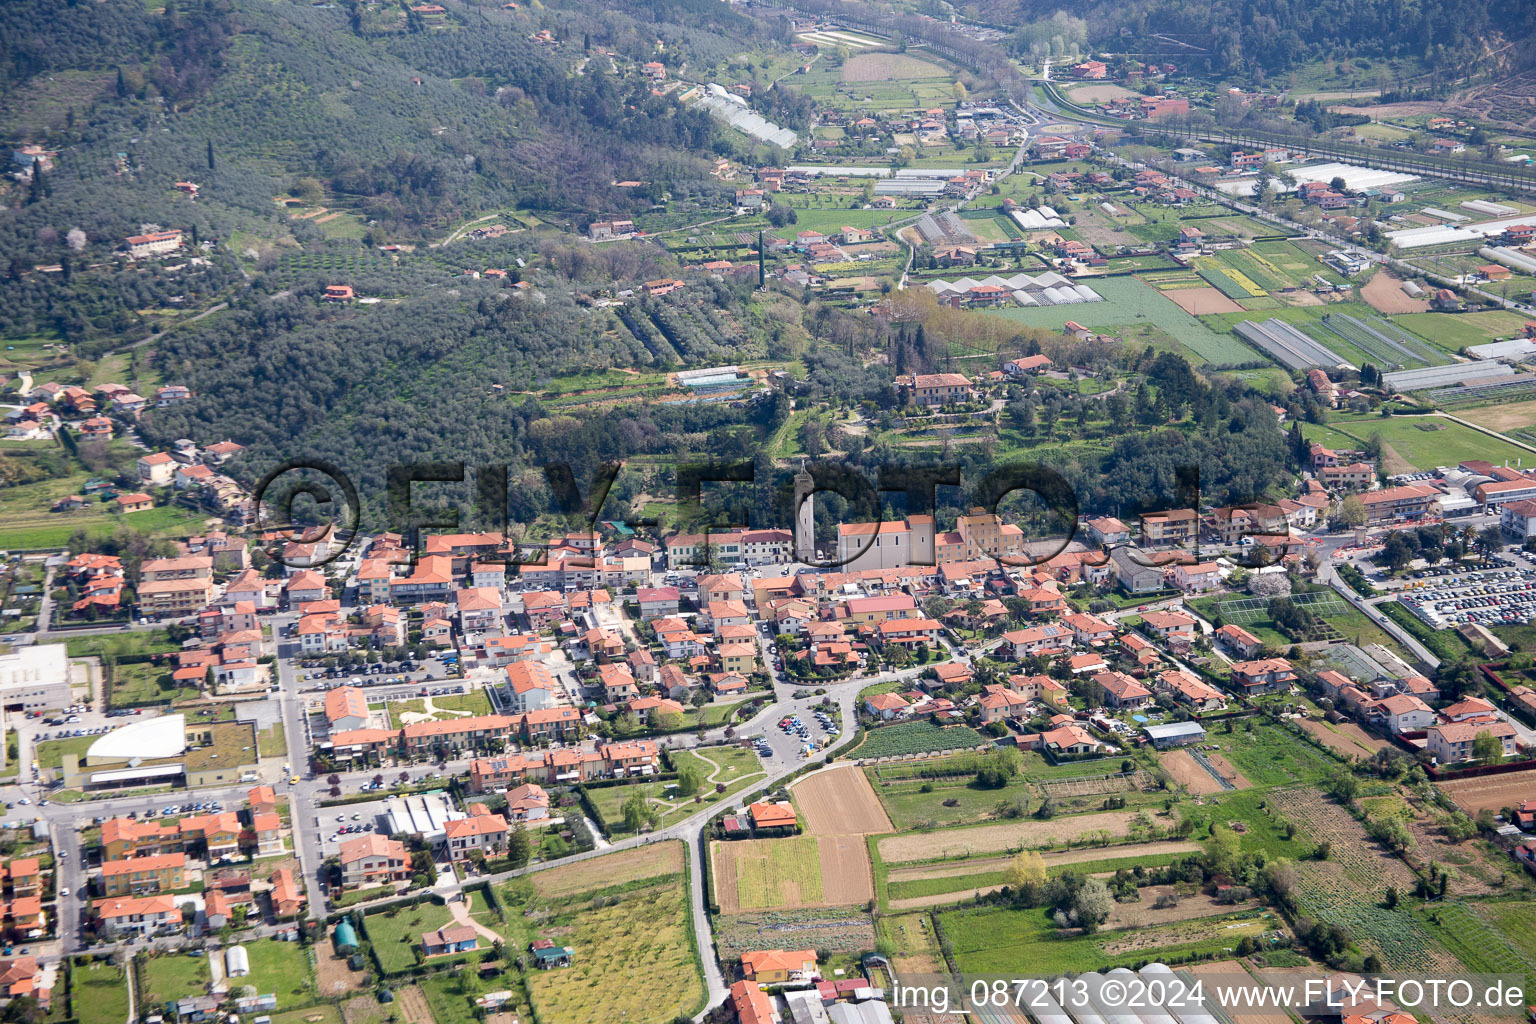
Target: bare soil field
{"x": 845, "y": 873}
{"x": 1298, "y": 297}
{"x": 1013, "y": 835}
{"x": 413, "y": 1006}
{"x": 364, "y": 1010}
{"x": 887, "y": 67}
{"x": 1190, "y": 907}
{"x": 1385, "y": 293}
{"x": 1188, "y": 772}
{"x": 1509, "y": 416}
{"x": 1231, "y": 774}
{"x": 1202, "y": 300}
{"x": 1493, "y": 791}
{"x": 1387, "y": 111}
{"x": 840, "y": 802}
{"x": 1236, "y": 967}
{"x": 614, "y": 869}
{"x": 333, "y": 977}
{"x": 1345, "y": 738}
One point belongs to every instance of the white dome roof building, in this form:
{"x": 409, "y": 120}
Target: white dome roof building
{"x": 148, "y": 740}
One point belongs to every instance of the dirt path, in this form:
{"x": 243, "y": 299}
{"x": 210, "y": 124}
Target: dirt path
{"x": 460, "y": 911}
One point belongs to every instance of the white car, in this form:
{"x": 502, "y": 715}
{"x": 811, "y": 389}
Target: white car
{"x": 63, "y": 892}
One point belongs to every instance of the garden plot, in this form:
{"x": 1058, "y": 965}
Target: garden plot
{"x": 1348, "y": 888}
{"x": 834, "y": 930}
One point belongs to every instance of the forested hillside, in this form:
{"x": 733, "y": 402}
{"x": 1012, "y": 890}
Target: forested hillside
{"x": 410, "y": 129}
{"x": 1274, "y": 36}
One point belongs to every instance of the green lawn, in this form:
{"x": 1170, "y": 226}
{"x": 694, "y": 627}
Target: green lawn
{"x": 153, "y": 641}
{"x": 1424, "y": 442}
{"x": 1129, "y": 301}
{"x": 281, "y": 968}
{"x": 909, "y": 807}
{"x": 1260, "y": 831}
{"x": 397, "y": 935}
{"x": 100, "y": 993}
{"x": 738, "y": 768}
{"x": 451, "y": 996}
{"x": 272, "y": 742}
{"x": 50, "y": 753}
{"x": 1455, "y": 331}
{"x": 172, "y": 976}
{"x": 476, "y": 702}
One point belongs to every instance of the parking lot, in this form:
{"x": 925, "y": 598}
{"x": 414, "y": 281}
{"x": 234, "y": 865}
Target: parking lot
{"x": 789, "y": 738}
{"x": 336, "y": 825}
{"x": 1495, "y": 597}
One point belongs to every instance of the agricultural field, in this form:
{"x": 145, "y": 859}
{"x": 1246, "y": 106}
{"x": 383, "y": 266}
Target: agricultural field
{"x": 1348, "y": 887}
{"x": 767, "y": 874}
{"x": 1455, "y": 331}
{"x": 878, "y": 82}
{"x": 948, "y": 881}
{"x": 1128, "y": 302}
{"x": 1005, "y": 837}
{"x": 1493, "y": 792}
{"x": 1026, "y": 943}
{"x": 839, "y": 801}
{"x": 917, "y": 738}
{"x": 834, "y": 929}
{"x": 1344, "y": 738}
{"x": 627, "y": 916}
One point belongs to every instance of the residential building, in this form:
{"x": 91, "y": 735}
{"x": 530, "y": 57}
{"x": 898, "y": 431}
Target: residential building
{"x": 139, "y": 875}
{"x": 481, "y": 830}
{"x": 778, "y": 966}
{"x": 1452, "y": 742}
{"x": 1267, "y": 675}
{"x": 138, "y": 916}
{"x": 934, "y": 389}
{"x": 373, "y": 860}
{"x": 346, "y": 708}
{"x": 1172, "y": 528}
